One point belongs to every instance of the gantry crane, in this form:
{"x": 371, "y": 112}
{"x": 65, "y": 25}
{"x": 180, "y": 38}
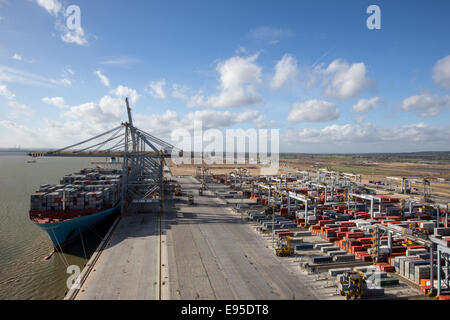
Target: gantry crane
{"x": 143, "y": 158}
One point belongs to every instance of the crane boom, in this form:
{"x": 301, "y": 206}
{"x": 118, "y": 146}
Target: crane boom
{"x": 130, "y": 122}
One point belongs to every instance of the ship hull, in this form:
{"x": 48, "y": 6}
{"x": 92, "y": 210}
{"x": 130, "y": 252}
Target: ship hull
{"x": 65, "y": 232}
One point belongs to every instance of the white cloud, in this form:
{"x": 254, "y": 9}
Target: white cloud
{"x": 219, "y": 119}
{"x": 260, "y": 122}
{"x": 123, "y": 92}
{"x": 62, "y": 82}
{"x": 359, "y": 119}
{"x": 441, "y": 72}
{"x": 12, "y": 75}
{"x": 56, "y": 102}
{"x": 18, "y": 109}
{"x": 52, "y": 134}
{"x": 285, "y": 70}
{"x": 52, "y": 6}
{"x": 239, "y": 78}
{"x": 74, "y": 36}
{"x": 104, "y": 79}
{"x": 120, "y": 61}
{"x": 241, "y": 50}
{"x": 365, "y": 105}
{"x": 427, "y": 104}
{"x": 69, "y": 71}
{"x": 107, "y": 110}
{"x": 271, "y": 35}
{"x": 313, "y": 111}
{"x": 342, "y": 80}
{"x": 367, "y": 138}
{"x": 162, "y": 125}
{"x": 6, "y": 93}
{"x": 17, "y": 57}
{"x": 180, "y": 92}
{"x": 156, "y": 89}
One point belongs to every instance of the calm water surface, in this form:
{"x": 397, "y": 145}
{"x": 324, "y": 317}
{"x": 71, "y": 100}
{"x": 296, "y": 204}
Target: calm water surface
{"x": 24, "y": 274}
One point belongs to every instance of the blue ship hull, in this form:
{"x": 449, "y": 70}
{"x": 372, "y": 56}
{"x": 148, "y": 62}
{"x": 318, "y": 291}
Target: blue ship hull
{"x": 62, "y": 233}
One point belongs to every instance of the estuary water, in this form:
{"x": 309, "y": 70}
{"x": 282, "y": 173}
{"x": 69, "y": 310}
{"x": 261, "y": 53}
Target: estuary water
{"x": 24, "y": 274}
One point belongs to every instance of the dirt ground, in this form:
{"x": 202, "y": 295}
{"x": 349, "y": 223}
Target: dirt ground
{"x": 376, "y": 169}
{"x": 185, "y": 169}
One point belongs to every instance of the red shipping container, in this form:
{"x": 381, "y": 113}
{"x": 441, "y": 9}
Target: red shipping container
{"x": 324, "y": 222}
{"x": 357, "y": 248}
{"x": 365, "y": 240}
{"x": 397, "y": 249}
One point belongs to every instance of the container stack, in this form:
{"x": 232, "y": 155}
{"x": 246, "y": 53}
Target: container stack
{"x": 39, "y": 201}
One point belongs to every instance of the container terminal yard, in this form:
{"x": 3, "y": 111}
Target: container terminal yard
{"x": 231, "y": 232}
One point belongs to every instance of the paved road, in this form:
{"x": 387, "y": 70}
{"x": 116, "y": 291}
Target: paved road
{"x": 128, "y": 268}
{"x": 212, "y": 254}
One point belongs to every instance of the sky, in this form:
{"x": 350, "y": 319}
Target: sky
{"x": 312, "y": 69}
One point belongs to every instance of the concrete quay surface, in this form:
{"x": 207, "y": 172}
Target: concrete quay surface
{"x": 207, "y": 252}
{"x": 213, "y": 254}
{"x": 129, "y": 266}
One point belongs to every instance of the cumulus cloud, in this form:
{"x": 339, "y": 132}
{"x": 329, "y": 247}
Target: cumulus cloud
{"x": 52, "y": 134}
{"x": 365, "y": 105}
{"x": 17, "y": 57}
{"x": 342, "y": 80}
{"x": 239, "y": 78}
{"x": 164, "y": 124}
{"x": 54, "y": 7}
{"x": 123, "y": 92}
{"x": 156, "y": 89}
{"x": 261, "y": 122}
{"x": 180, "y": 92}
{"x": 107, "y": 110}
{"x": 285, "y": 70}
{"x": 359, "y": 119}
{"x": 73, "y": 36}
{"x": 16, "y": 109}
{"x": 51, "y": 6}
{"x": 4, "y": 92}
{"x": 427, "y": 104}
{"x": 441, "y": 72}
{"x": 220, "y": 119}
{"x": 367, "y": 138}
{"x": 313, "y": 111}
{"x": 56, "y": 102}
{"x": 104, "y": 79}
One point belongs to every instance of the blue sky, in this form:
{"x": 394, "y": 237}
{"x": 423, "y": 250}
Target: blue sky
{"x": 309, "y": 68}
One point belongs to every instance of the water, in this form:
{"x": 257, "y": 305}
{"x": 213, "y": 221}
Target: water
{"x": 24, "y": 274}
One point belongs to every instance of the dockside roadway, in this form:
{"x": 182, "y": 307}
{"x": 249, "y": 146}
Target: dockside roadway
{"x": 129, "y": 266}
{"x": 202, "y": 251}
{"x": 215, "y": 255}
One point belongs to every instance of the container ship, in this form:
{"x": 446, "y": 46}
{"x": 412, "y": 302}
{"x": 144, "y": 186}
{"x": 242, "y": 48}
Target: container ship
{"x": 77, "y": 204}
